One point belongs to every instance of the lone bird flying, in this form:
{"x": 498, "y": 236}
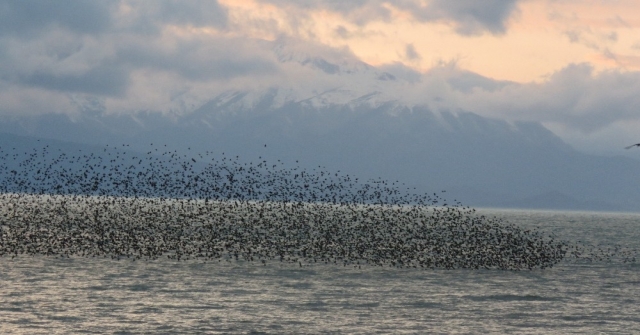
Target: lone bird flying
{"x": 633, "y": 145}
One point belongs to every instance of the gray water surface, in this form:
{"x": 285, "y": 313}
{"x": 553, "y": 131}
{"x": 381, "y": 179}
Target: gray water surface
{"x": 41, "y": 295}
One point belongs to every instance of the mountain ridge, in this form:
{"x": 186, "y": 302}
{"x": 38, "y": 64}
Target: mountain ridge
{"x": 370, "y": 136}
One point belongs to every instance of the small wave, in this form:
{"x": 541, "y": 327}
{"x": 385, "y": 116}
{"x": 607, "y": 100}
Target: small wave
{"x": 511, "y": 297}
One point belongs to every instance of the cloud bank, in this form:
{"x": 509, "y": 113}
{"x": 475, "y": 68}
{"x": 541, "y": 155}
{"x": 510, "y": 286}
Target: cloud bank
{"x": 172, "y": 56}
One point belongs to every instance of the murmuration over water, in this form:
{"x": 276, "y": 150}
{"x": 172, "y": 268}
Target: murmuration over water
{"x": 166, "y": 205}
{"x": 263, "y": 232}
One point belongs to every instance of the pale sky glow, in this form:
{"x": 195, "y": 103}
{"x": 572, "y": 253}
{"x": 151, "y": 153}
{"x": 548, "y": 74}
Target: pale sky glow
{"x": 541, "y": 38}
{"x": 572, "y": 65}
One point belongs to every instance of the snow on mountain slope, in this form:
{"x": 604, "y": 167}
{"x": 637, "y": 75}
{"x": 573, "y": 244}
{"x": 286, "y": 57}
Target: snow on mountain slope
{"x": 368, "y": 122}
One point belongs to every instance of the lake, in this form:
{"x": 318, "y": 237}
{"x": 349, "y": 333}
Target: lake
{"x": 48, "y": 295}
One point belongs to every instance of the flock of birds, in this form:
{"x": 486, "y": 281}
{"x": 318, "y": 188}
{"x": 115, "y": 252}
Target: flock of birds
{"x": 162, "y": 204}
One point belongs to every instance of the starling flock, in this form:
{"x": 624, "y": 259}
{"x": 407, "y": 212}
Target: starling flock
{"x": 120, "y": 204}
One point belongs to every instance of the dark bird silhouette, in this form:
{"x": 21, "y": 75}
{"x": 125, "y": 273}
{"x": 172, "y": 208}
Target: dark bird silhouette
{"x": 633, "y": 145}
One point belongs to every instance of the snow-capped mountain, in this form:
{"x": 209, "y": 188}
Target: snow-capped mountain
{"x": 367, "y": 122}
{"x": 480, "y": 161}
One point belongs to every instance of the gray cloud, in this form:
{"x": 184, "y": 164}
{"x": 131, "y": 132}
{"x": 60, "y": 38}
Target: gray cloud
{"x": 149, "y": 16}
{"x": 340, "y": 6}
{"x": 25, "y": 17}
{"x": 104, "y": 79}
{"x": 576, "y": 97}
{"x": 470, "y": 17}
{"x": 573, "y": 35}
{"x": 594, "y": 111}
{"x": 62, "y": 61}
{"x": 342, "y": 32}
{"x": 195, "y": 12}
{"x": 200, "y": 60}
{"x": 467, "y": 82}
{"x": 592, "y": 100}
{"x": 87, "y": 68}
{"x": 402, "y": 72}
{"x": 94, "y": 47}
{"x": 410, "y": 52}
{"x": 358, "y": 11}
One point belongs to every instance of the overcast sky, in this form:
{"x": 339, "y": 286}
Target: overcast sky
{"x": 573, "y": 65}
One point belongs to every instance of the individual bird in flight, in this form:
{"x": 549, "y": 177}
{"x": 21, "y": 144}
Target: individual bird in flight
{"x": 633, "y": 145}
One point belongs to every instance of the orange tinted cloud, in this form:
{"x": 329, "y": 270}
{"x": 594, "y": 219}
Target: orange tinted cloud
{"x": 541, "y": 36}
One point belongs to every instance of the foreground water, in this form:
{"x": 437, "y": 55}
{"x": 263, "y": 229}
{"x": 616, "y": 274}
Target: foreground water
{"x": 80, "y": 295}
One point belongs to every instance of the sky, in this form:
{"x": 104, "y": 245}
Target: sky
{"x": 572, "y": 65}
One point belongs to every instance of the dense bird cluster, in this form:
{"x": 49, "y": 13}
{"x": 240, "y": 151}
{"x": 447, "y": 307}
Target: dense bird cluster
{"x": 121, "y": 205}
